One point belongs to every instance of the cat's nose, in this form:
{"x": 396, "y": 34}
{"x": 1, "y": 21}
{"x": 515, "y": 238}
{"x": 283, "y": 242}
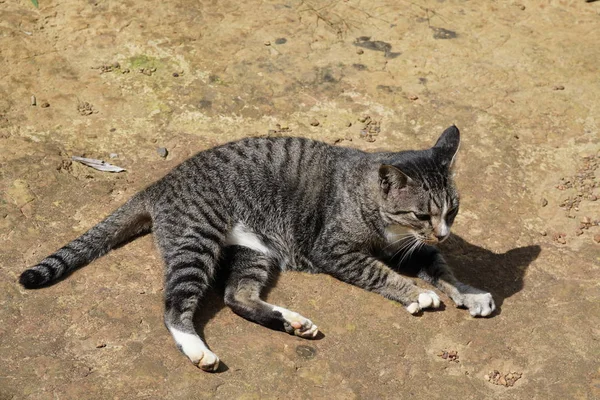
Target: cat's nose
{"x": 441, "y": 231}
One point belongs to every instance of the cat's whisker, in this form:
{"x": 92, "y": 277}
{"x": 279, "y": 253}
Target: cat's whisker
{"x": 406, "y": 248}
{"x": 451, "y": 239}
{"x": 402, "y": 248}
{"x": 409, "y": 252}
{"x": 404, "y": 236}
{"x": 417, "y": 244}
{"x": 409, "y": 241}
{"x": 421, "y": 244}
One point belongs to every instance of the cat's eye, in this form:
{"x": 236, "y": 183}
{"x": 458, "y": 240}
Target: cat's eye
{"x": 422, "y": 217}
{"x": 452, "y": 212}
{"x": 400, "y": 212}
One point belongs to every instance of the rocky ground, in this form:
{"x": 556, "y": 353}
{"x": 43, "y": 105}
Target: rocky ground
{"x": 125, "y": 81}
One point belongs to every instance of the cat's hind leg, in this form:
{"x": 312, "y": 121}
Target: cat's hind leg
{"x": 190, "y": 252}
{"x": 248, "y": 275}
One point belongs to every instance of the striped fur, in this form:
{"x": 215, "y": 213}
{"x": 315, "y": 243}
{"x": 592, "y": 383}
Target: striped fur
{"x": 260, "y": 204}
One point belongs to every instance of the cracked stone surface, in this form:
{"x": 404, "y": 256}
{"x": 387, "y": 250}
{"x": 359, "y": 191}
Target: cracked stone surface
{"x": 491, "y": 68}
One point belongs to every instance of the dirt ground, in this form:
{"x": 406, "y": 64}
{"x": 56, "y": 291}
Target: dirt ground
{"x": 117, "y": 80}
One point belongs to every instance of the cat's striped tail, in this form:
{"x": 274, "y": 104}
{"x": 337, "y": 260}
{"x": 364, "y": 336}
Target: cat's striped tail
{"x": 128, "y": 221}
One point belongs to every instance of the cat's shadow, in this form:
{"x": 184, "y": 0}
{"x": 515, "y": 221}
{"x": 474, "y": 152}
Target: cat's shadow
{"x": 500, "y": 274}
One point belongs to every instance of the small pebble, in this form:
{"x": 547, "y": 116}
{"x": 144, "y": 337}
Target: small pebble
{"x": 162, "y": 151}
{"x": 175, "y": 75}
{"x": 314, "y": 122}
{"x": 597, "y": 238}
{"x": 451, "y": 355}
{"x": 113, "y": 155}
{"x": 578, "y": 232}
{"x": 586, "y": 220}
{"x": 280, "y": 41}
{"x": 593, "y": 197}
{"x": 413, "y": 98}
{"x": 100, "y": 345}
{"x": 558, "y": 87}
{"x": 267, "y": 43}
{"x": 33, "y": 101}
{"x": 363, "y": 118}
{"x": 113, "y": 129}
{"x": 544, "y": 202}
{"x": 349, "y": 124}
{"x": 543, "y": 233}
{"x": 360, "y": 51}
{"x": 45, "y": 104}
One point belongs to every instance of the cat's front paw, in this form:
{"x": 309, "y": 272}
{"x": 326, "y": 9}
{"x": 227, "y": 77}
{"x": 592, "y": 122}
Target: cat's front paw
{"x": 428, "y": 299}
{"x": 479, "y": 304}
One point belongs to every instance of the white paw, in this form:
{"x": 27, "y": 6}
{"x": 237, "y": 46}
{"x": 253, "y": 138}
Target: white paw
{"x": 194, "y": 348}
{"x": 427, "y": 299}
{"x": 413, "y": 308}
{"x": 296, "y": 324}
{"x": 309, "y": 333}
{"x": 479, "y": 305}
{"x": 209, "y": 361}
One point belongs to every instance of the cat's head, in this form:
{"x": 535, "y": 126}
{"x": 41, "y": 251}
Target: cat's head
{"x": 418, "y": 196}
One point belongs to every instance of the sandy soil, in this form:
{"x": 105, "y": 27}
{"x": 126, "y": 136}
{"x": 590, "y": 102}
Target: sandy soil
{"x": 127, "y": 77}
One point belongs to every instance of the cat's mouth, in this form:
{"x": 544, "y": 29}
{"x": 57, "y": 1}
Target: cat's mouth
{"x": 432, "y": 239}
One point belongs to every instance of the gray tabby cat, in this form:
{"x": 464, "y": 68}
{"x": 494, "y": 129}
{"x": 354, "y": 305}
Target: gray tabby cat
{"x": 261, "y": 204}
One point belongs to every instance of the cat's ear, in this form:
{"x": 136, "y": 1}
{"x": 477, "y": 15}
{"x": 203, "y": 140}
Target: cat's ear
{"x": 391, "y": 177}
{"x": 448, "y": 143}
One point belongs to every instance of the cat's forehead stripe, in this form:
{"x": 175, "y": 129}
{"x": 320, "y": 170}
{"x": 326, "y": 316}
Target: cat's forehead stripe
{"x": 434, "y": 201}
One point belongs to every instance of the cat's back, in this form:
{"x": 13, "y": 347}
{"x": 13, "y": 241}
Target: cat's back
{"x": 275, "y": 153}
{"x": 277, "y": 160}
